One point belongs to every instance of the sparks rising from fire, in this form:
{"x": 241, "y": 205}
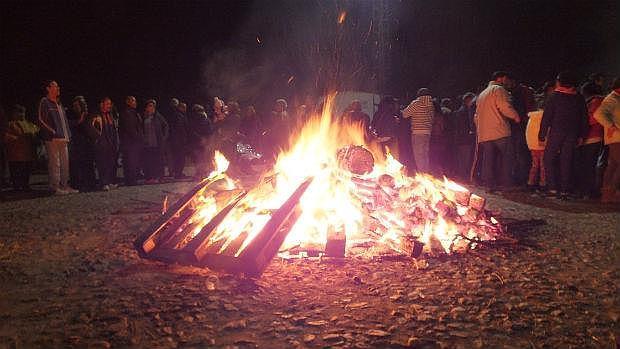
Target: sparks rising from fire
{"x": 380, "y": 211}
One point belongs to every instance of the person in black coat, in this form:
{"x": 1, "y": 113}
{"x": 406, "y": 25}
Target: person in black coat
{"x": 104, "y": 134}
{"x": 81, "y": 150}
{"x": 179, "y": 140}
{"x": 564, "y": 124}
{"x": 130, "y": 134}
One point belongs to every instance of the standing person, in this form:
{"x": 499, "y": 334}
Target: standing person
{"x": 594, "y": 86}
{"x": 20, "y": 138}
{"x": 280, "y": 125}
{"x": 104, "y": 135}
{"x": 54, "y": 130}
{"x": 355, "y": 114}
{"x": 385, "y": 122}
{"x": 464, "y": 136}
{"x": 131, "y": 140}
{"x": 155, "y": 135}
{"x": 587, "y": 153}
{"x": 536, "y": 177}
{"x": 200, "y": 132}
{"x": 493, "y": 110}
{"x": 179, "y": 140}
{"x": 608, "y": 115}
{"x": 563, "y": 125}
{"x": 421, "y": 112}
{"x": 250, "y": 126}
{"x": 440, "y": 138}
{"x": 523, "y": 102}
{"x": 81, "y": 151}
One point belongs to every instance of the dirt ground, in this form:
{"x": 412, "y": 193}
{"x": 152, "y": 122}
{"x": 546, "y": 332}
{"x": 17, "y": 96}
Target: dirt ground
{"x": 69, "y": 277}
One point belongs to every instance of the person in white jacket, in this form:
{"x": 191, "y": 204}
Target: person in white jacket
{"x": 608, "y": 115}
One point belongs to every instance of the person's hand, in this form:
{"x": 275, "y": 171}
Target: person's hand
{"x": 611, "y": 130}
{"x": 518, "y": 120}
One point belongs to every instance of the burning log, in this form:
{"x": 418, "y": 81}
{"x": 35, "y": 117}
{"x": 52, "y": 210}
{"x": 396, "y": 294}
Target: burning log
{"x": 336, "y": 241}
{"x": 356, "y": 159}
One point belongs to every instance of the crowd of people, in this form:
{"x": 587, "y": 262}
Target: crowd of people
{"x": 560, "y": 142}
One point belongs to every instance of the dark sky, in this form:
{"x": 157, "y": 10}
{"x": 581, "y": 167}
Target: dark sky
{"x": 253, "y": 50}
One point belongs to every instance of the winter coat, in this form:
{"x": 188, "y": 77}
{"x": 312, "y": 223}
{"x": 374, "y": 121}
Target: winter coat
{"x": 102, "y": 131}
{"x": 565, "y": 115}
{"x": 20, "y": 138}
{"x": 160, "y": 130}
{"x": 179, "y": 130}
{"x": 493, "y": 110}
{"x": 608, "y": 114}
{"x": 595, "y": 129}
{"x": 464, "y": 127}
{"x": 52, "y": 121}
{"x": 130, "y": 128}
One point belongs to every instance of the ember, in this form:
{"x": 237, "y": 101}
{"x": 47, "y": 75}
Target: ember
{"x": 330, "y": 192}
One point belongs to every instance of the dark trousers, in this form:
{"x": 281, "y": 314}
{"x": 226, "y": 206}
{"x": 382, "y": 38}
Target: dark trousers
{"x": 522, "y": 158}
{"x": 562, "y": 148}
{"x": 105, "y": 158}
{"x": 178, "y": 160}
{"x": 132, "y": 154}
{"x": 586, "y": 157}
{"x": 20, "y": 174}
{"x": 82, "y": 169}
{"x": 463, "y": 160}
{"x": 496, "y": 162}
{"x": 153, "y": 163}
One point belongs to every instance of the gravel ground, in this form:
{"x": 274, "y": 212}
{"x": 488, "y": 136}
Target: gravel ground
{"x": 69, "y": 277}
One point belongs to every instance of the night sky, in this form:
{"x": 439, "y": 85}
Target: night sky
{"x": 257, "y": 50}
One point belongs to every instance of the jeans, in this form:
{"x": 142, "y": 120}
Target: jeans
{"x": 463, "y": 159}
{"x": 420, "y": 144}
{"x": 611, "y": 179}
{"x": 496, "y": 154}
{"x": 57, "y": 163}
{"x": 586, "y": 157}
{"x": 562, "y": 148}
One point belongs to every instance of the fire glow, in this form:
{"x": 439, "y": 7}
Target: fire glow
{"x": 378, "y": 212}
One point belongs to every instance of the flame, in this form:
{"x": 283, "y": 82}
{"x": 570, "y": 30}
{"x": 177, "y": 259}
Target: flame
{"x": 221, "y": 165}
{"x": 384, "y": 207}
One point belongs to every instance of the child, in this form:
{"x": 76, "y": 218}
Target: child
{"x": 536, "y": 179}
{"x": 20, "y": 139}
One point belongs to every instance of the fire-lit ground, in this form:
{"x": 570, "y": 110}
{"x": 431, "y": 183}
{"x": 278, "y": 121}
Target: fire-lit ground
{"x": 70, "y": 277}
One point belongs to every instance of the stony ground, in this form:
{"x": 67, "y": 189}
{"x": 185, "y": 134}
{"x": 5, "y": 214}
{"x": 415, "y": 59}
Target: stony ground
{"x": 69, "y": 277}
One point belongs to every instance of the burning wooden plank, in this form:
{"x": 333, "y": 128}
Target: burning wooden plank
{"x": 158, "y": 231}
{"x": 253, "y": 260}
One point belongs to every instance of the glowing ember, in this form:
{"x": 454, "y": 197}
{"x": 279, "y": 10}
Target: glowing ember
{"x": 379, "y": 211}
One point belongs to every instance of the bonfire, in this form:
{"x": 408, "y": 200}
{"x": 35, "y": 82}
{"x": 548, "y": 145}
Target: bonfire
{"x": 330, "y": 193}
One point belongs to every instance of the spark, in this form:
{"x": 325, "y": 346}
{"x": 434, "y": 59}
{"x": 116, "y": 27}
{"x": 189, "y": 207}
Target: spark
{"x": 342, "y": 17}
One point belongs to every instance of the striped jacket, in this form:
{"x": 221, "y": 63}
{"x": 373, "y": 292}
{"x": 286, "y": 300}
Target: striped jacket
{"x": 420, "y": 111}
